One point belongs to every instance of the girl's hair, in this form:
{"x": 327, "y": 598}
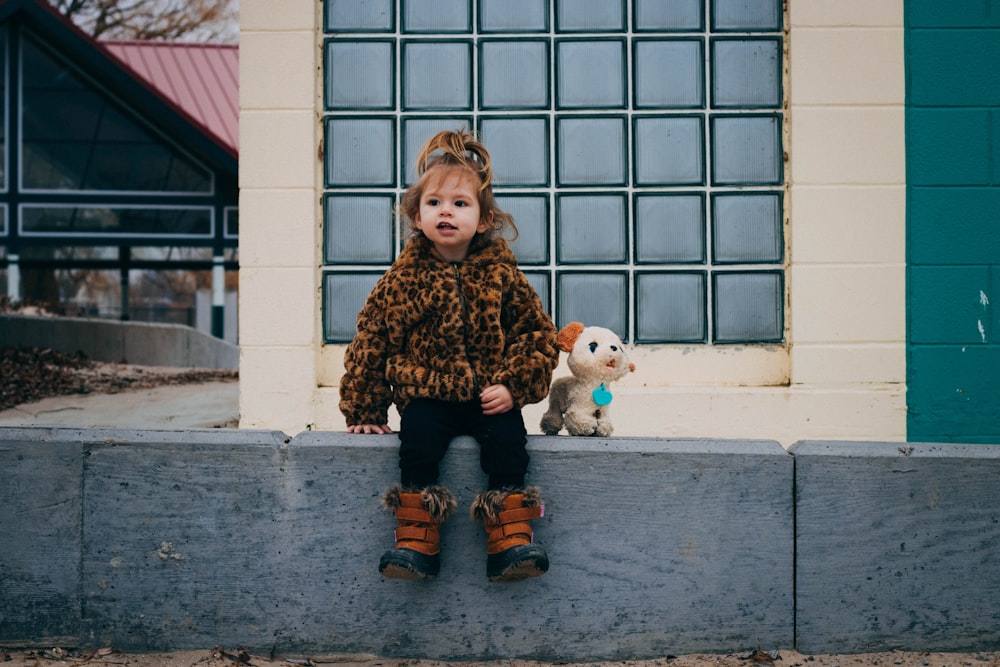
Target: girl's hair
{"x": 452, "y": 149}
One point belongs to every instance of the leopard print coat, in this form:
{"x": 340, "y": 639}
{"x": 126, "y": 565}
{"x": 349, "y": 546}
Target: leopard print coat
{"x": 433, "y": 329}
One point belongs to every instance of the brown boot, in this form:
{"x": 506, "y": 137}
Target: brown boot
{"x": 419, "y": 515}
{"x": 511, "y": 554}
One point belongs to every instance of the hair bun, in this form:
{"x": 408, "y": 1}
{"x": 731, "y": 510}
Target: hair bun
{"x": 451, "y": 147}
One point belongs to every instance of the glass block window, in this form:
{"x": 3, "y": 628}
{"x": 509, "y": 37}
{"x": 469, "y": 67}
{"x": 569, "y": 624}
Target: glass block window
{"x": 436, "y": 16}
{"x": 361, "y": 74}
{"x": 638, "y": 144}
{"x": 351, "y": 243}
{"x": 343, "y": 296}
{"x": 351, "y": 16}
{"x": 498, "y": 89}
{"x": 513, "y": 16}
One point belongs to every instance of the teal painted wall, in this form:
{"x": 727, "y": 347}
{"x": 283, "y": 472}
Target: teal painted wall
{"x": 953, "y": 220}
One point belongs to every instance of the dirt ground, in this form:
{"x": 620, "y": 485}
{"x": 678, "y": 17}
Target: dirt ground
{"x": 31, "y": 374}
{"x": 220, "y": 657}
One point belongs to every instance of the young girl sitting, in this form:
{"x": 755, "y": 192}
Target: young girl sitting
{"x": 457, "y": 338}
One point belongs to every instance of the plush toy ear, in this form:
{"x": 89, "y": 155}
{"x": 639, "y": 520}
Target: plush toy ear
{"x": 566, "y": 338}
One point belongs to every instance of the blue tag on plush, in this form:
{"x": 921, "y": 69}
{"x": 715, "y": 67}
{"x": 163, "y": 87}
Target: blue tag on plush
{"x": 601, "y": 395}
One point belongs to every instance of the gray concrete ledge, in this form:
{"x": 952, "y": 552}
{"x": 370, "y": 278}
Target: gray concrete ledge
{"x": 141, "y": 343}
{"x": 182, "y": 539}
{"x": 147, "y": 540}
{"x": 898, "y": 546}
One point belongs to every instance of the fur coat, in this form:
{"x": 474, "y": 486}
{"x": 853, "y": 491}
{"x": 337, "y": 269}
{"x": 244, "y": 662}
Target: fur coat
{"x": 433, "y": 329}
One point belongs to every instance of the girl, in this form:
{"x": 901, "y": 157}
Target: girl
{"x": 455, "y": 336}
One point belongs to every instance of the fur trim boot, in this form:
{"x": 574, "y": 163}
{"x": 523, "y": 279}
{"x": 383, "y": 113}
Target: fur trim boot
{"x": 511, "y": 554}
{"x": 419, "y": 515}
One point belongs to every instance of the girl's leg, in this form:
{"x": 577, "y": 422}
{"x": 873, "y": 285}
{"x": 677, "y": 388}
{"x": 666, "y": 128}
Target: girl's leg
{"x": 507, "y": 506}
{"x": 419, "y": 503}
{"x": 426, "y": 429}
{"x": 503, "y": 453}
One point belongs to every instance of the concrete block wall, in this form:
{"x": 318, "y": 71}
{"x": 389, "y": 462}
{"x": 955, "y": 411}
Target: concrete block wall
{"x": 281, "y": 57}
{"x": 154, "y": 540}
{"x": 143, "y": 343}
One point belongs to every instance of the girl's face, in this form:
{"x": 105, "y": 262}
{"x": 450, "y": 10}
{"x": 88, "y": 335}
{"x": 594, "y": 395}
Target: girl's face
{"x": 449, "y": 213}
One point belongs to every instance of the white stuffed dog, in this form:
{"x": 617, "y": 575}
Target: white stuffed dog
{"x": 580, "y": 403}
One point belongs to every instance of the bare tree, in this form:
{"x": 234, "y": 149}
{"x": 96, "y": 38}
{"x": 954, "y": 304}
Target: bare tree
{"x": 186, "y": 20}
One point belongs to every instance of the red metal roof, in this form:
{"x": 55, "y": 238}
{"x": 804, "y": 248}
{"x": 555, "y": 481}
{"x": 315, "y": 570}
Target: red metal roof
{"x": 202, "y": 80}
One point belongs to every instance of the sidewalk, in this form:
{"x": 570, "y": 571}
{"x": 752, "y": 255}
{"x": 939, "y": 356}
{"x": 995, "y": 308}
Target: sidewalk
{"x": 207, "y": 405}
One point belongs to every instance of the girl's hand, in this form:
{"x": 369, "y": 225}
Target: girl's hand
{"x": 369, "y": 429}
{"x": 496, "y": 399}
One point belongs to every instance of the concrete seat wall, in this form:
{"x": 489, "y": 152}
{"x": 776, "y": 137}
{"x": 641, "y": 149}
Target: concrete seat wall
{"x": 167, "y": 540}
{"x": 155, "y": 540}
{"x": 897, "y": 546}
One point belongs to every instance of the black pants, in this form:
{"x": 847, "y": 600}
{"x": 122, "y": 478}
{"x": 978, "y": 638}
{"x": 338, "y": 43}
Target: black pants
{"x": 427, "y": 427}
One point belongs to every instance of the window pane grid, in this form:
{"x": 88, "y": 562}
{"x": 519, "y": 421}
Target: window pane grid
{"x": 658, "y": 184}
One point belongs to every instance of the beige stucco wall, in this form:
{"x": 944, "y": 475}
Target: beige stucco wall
{"x": 841, "y": 376}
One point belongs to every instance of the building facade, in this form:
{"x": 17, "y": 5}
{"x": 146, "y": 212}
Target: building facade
{"x": 722, "y": 182}
{"x": 119, "y": 167}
